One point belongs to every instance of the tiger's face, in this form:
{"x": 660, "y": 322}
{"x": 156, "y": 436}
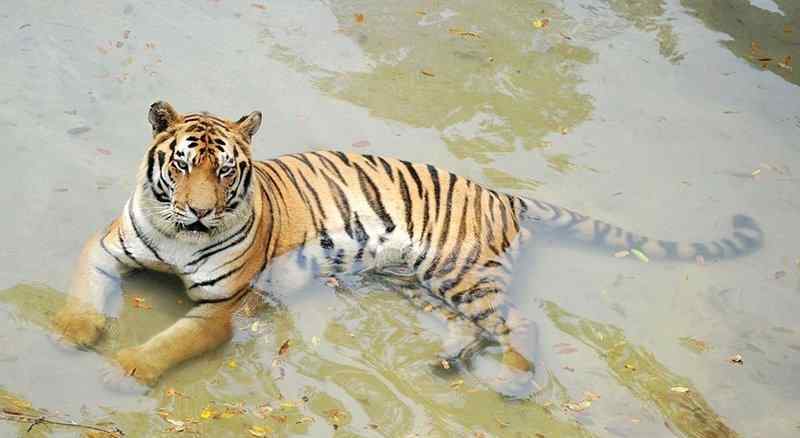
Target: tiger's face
{"x": 197, "y": 174}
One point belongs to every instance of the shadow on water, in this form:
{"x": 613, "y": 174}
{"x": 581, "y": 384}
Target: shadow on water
{"x": 644, "y": 376}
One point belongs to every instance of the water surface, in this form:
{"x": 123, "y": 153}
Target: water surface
{"x": 663, "y": 116}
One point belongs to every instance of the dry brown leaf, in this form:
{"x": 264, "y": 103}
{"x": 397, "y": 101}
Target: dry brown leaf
{"x": 591, "y": 396}
{"x": 736, "y": 359}
{"x": 284, "y": 348}
{"x": 359, "y": 18}
{"x": 141, "y": 303}
{"x": 427, "y": 73}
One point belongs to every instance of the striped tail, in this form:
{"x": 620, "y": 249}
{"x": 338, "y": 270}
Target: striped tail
{"x": 747, "y": 236}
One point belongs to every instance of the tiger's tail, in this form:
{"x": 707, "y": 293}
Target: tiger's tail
{"x": 747, "y": 236}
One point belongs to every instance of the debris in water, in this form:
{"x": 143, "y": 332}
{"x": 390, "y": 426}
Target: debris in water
{"x": 541, "y": 23}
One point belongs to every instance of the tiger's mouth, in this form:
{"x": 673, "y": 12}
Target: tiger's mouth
{"x": 196, "y": 226}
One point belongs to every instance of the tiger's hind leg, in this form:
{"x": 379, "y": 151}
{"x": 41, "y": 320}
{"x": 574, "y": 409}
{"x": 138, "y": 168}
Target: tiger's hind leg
{"x": 481, "y": 299}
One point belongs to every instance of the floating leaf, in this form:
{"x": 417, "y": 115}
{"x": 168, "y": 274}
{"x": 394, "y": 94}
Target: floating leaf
{"x": 209, "y": 413}
{"x": 541, "y": 23}
{"x": 591, "y": 396}
{"x": 630, "y": 367}
{"x": 254, "y": 327}
{"x": 755, "y": 172}
{"x": 457, "y": 384}
{"x": 177, "y": 426}
{"x": 736, "y": 359}
{"x": 639, "y": 255}
{"x": 621, "y": 254}
{"x": 141, "y": 303}
{"x": 427, "y": 73}
{"x": 259, "y": 431}
{"x": 445, "y": 364}
{"x": 304, "y": 420}
{"x": 578, "y": 406}
{"x": 359, "y": 18}
{"x": 679, "y": 389}
{"x": 284, "y": 348}
{"x": 232, "y": 364}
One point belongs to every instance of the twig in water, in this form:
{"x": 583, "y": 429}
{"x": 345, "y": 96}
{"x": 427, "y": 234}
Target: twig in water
{"x": 19, "y": 417}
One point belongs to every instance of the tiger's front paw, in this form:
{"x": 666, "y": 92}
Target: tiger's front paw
{"x": 80, "y": 326}
{"x": 133, "y": 362}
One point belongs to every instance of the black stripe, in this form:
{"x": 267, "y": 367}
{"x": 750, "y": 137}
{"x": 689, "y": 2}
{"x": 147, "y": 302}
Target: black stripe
{"x": 105, "y": 248}
{"x": 315, "y": 194}
{"x": 373, "y": 196}
{"x": 140, "y": 236}
{"x": 303, "y": 159}
{"x": 387, "y": 167}
{"x": 124, "y": 248}
{"x": 247, "y": 226}
{"x": 407, "y": 205}
{"x": 437, "y": 190}
{"x": 371, "y": 160}
{"x": 414, "y": 176}
{"x": 330, "y": 166}
{"x": 342, "y": 204}
{"x": 342, "y": 157}
{"x": 216, "y": 280}
{"x": 238, "y": 240}
{"x": 470, "y": 260}
{"x": 446, "y": 227}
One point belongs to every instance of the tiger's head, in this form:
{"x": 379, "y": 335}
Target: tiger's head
{"x": 196, "y": 176}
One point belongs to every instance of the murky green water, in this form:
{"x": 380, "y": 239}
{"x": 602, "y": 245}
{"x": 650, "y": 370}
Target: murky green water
{"x": 666, "y": 117}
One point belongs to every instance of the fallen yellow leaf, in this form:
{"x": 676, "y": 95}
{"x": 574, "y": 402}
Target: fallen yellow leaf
{"x": 679, "y": 389}
{"x": 639, "y": 255}
{"x": 541, "y": 23}
{"x": 258, "y": 431}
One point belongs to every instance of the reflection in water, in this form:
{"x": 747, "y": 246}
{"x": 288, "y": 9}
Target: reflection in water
{"x": 478, "y": 72}
{"x": 757, "y": 35}
{"x": 639, "y": 371}
{"x": 648, "y": 16}
{"x": 367, "y": 374}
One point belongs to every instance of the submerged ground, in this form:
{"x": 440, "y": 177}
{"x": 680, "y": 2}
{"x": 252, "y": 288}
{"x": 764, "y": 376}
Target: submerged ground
{"x": 663, "y": 116}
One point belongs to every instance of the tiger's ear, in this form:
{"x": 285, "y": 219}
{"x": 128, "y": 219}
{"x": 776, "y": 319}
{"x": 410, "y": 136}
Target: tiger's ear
{"x": 249, "y": 124}
{"x": 162, "y": 116}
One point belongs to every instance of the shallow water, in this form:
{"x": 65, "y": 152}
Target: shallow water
{"x": 654, "y": 115}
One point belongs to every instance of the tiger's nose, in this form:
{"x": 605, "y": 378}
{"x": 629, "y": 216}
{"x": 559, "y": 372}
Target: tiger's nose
{"x": 200, "y": 212}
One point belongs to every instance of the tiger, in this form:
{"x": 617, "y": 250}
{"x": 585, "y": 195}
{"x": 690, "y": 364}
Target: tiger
{"x": 228, "y": 225}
